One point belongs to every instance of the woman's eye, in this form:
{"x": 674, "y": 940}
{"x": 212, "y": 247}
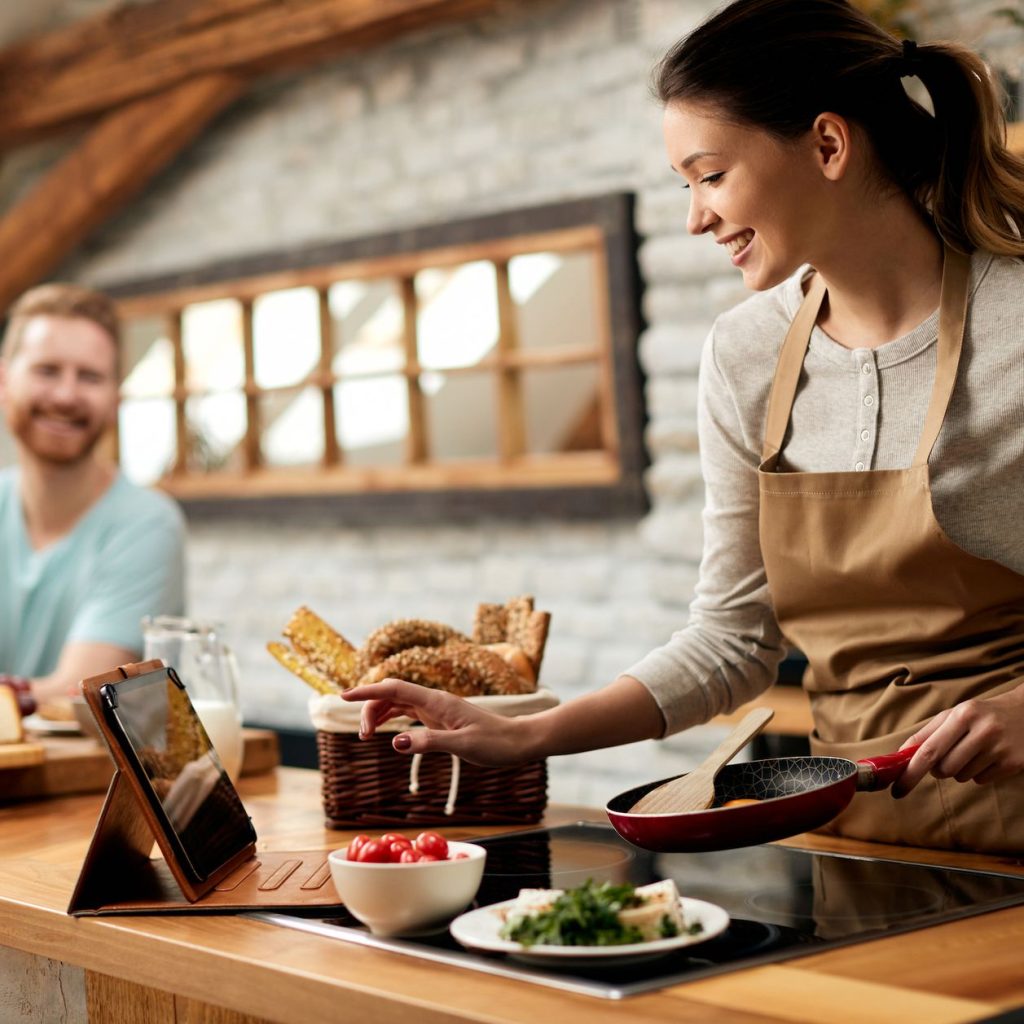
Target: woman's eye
{"x": 708, "y": 179}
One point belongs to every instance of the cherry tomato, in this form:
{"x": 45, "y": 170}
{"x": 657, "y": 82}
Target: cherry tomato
{"x": 410, "y": 856}
{"x": 395, "y": 837}
{"x": 433, "y": 844}
{"x": 396, "y": 849}
{"x": 355, "y": 846}
{"x": 372, "y": 852}
{"x": 459, "y": 856}
{"x": 429, "y": 856}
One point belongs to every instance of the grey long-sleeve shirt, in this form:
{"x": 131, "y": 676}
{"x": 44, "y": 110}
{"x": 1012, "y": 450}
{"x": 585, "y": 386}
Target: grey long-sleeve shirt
{"x": 855, "y": 409}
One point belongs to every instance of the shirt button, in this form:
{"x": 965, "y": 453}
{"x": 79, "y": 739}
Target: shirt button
{"x": 866, "y": 368}
{"x": 859, "y": 467}
{"x": 869, "y": 400}
{"x": 864, "y": 435}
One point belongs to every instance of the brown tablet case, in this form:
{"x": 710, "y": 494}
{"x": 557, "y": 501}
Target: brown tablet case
{"x": 119, "y": 875}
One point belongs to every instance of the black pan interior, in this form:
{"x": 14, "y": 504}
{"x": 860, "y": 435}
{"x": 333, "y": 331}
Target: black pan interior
{"x": 779, "y": 776}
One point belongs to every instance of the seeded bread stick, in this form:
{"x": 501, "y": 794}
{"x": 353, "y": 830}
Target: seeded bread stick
{"x": 323, "y": 648}
{"x": 303, "y": 668}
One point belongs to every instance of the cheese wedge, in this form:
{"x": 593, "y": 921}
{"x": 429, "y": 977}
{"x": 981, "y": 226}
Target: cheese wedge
{"x": 661, "y": 900}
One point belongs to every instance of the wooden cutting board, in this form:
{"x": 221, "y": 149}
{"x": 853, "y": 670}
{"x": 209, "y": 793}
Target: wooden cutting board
{"x": 21, "y": 755}
{"x": 79, "y": 764}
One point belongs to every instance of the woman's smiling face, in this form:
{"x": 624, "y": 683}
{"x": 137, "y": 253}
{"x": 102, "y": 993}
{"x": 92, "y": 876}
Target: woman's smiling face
{"x": 765, "y": 200}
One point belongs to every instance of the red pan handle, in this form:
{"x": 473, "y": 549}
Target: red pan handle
{"x": 882, "y": 771}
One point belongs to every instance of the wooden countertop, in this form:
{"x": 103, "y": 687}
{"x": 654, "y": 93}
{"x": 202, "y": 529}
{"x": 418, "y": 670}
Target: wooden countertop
{"x": 956, "y": 972}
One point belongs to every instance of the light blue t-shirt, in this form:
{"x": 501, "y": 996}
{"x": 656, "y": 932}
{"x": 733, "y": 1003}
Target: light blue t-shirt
{"x": 123, "y": 560}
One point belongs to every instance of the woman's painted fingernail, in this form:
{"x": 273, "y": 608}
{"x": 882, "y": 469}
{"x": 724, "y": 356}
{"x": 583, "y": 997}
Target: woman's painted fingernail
{"x": 402, "y": 742}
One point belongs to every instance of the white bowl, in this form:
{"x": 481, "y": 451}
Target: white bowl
{"x": 396, "y": 899}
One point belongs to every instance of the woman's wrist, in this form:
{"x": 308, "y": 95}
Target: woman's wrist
{"x": 532, "y": 735}
{"x": 623, "y": 712}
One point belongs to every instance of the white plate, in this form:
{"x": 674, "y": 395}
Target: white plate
{"x": 36, "y": 723}
{"x": 479, "y": 929}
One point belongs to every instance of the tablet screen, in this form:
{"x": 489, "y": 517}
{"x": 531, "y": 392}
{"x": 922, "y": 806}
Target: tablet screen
{"x": 176, "y": 762}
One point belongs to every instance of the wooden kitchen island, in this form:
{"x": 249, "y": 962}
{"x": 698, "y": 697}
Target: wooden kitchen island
{"x": 229, "y": 970}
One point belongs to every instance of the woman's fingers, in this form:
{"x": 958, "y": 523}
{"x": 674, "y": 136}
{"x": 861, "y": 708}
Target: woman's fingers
{"x": 393, "y": 698}
{"x": 925, "y": 731}
{"x": 427, "y": 741}
{"x": 972, "y": 767}
{"x": 936, "y": 744}
{"x": 979, "y": 740}
{"x": 450, "y": 724}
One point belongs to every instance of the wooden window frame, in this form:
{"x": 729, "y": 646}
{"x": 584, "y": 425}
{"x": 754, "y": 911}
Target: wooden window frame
{"x": 588, "y": 485}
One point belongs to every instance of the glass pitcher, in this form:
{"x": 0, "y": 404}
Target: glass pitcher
{"x": 207, "y": 667}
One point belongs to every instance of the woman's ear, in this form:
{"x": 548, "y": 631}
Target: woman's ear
{"x": 832, "y": 138}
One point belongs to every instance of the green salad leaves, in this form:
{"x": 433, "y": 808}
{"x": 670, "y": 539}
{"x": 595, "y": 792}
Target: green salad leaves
{"x": 585, "y": 916}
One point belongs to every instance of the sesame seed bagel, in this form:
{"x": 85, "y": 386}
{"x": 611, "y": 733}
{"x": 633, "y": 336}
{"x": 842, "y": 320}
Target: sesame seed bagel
{"x": 402, "y": 634}
{"x": 459, "y": 667}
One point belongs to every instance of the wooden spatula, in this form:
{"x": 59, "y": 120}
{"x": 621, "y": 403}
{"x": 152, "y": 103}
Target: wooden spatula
{"x": 696, "y": 791}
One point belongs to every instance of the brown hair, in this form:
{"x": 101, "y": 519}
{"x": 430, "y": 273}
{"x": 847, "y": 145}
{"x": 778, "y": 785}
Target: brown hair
{"x": 67, "y": 300}
{"x": 777, "y": 64}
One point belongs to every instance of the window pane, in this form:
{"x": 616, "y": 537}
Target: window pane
{"x": 457, "y": 319}
{"x": 293, "y": 428}
{"x": 286, "y": 336}
{"x": 147, "y": 359}
{"x": 562, "y": 409}
{"x": 147, "y": 438}
{"x": 461, "y": 415}
{"x": 367, "y": 327}
{"x": 214, "y": 352}
{"x": 555, "y": 300}
{"x": 372, "y": 419}
{"x": 216, "y": 426}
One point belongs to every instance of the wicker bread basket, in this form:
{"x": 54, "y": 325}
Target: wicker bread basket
{"x": 367, "y": 783}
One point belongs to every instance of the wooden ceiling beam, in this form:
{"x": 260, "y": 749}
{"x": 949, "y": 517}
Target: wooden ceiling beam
{"x": 108, "y": 167}
{"x": 79, "y": 72}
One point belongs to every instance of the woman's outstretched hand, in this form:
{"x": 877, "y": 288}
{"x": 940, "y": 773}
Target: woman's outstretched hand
{"x": 450, "y": 723}
{"x": 622, "y": 712}
{"x": 980, "y": 740}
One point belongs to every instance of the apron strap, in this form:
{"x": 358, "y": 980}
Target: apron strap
{"x": 956, "y": 276}
{"x": 956, "y": 279}
{"x": 787, "y": 372}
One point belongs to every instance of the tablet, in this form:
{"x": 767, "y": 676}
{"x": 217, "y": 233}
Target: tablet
{"x": 202, "y": 825}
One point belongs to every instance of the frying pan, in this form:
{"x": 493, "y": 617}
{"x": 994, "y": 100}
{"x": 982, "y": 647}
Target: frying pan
{"x": 794, "y": 794}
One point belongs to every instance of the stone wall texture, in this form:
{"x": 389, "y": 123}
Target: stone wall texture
{"x": 546, "y": 101}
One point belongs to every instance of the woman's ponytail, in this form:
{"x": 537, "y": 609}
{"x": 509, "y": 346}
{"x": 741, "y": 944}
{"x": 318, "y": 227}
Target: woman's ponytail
{"x": 977, "y": 198}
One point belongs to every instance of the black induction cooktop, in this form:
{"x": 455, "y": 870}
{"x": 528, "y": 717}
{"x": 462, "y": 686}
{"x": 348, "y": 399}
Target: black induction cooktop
{"x": 782, "y": 901}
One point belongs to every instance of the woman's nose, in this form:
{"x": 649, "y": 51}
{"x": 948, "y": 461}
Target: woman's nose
{"x": 700, "y": 217}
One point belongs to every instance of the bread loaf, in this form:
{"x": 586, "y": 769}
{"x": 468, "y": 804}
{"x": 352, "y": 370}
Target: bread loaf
{"x": 11, "y": 730}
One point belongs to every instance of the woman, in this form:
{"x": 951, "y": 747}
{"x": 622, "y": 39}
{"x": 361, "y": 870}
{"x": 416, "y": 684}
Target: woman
{"x": 861, "y": 424}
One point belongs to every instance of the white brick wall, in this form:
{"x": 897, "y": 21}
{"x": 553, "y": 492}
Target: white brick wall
{"x": 546, "y": 101}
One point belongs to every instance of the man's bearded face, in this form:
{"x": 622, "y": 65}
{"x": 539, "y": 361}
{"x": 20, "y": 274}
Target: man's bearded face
{"x": 59, "y": 388}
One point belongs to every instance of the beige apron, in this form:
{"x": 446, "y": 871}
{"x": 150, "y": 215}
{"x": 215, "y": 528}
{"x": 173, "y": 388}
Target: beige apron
{"x": 896, "y": 621}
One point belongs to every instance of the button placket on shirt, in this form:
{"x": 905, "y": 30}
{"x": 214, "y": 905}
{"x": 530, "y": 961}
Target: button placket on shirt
{"x": 867, "y": 409}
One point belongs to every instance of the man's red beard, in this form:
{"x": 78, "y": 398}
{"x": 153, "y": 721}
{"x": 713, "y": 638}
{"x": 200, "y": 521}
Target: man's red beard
{"x": 58, "y": 450}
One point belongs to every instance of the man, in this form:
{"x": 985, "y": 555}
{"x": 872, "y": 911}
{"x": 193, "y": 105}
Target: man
{"x": 84, "y": 554}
